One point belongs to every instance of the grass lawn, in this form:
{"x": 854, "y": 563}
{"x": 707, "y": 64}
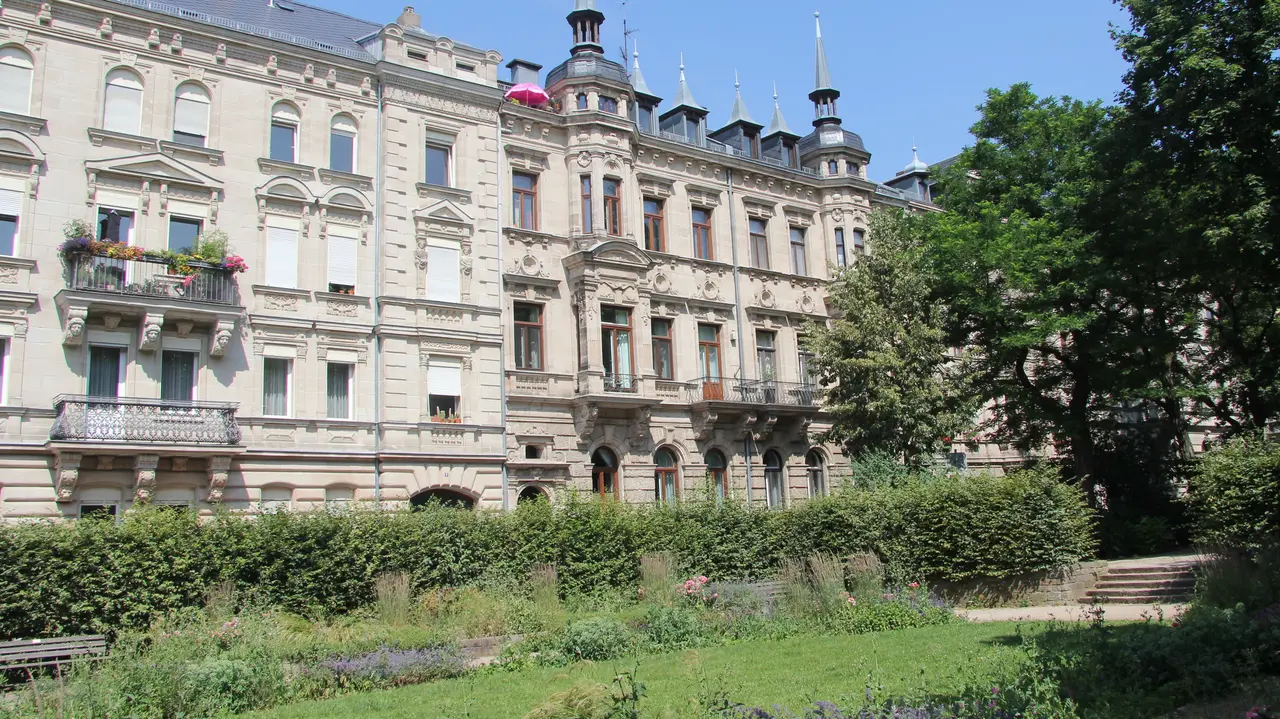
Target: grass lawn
{"x": 788, "y": 673}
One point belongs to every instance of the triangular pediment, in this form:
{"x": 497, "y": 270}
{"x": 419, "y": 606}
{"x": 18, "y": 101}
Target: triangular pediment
{"x": 445, "y": 211}
{"x": 154, "y": 166}
{"x": 620, "y": 252}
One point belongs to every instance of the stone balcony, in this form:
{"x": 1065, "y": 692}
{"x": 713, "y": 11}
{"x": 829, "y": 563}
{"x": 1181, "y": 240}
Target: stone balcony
{"x": 752, "y": 408}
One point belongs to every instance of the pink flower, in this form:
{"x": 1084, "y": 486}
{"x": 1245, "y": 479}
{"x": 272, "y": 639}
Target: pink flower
{"x": 914, "y": 585}
{"x": 853, "y": 601}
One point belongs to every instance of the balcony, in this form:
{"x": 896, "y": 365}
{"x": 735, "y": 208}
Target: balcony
{"x": 151, "y": 277}
{"x": 753, "y": 392}
{"x": 626, "y": 383}
{"x": 81, "y": 418}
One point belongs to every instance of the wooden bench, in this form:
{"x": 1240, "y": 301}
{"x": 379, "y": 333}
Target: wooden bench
{"x": 33, "y": 653}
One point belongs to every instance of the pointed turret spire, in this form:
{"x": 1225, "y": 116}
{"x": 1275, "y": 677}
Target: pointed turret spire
{"x": 824, "y": 95}
{"x": 740, "y": 112}
{"x": 778, "y": 123}
{"x": 684, "y": 97}
{"x": 586, "y": 21}
{"x": 637, "y": 78}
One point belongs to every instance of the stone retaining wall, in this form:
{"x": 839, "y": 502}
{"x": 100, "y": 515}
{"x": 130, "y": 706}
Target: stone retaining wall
{"x": 1060, "y": 586}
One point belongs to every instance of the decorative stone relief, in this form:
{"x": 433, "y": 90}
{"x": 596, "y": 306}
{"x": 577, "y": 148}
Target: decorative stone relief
{"x": 221, "y": 338}
{"x": 342, "y": 309}
{"x": 640, "y": 430}
{"x": 106, "y": 463}
{"x": 151, "y": 325}
{"x": 661, "y": 283}
{"x": 704, "y": 422}
{"x": 806, "y": 304}
{"x": 765, "y": 429}
{"x": 584, "y": 420}
{"x": 73, "y": 333}
{"x": 745, "y": 423}
{"x": 465, "y": 264}
{"x": 179, "y": 464}
{"x": 219, "y": 468}
{"x": 105, "y": 31}
{"x": 67, "y": 472}
{"x": 185, "y": 327}
{"x": 280, "y": 303}
{"x": 802, "y": 429}
{"x": 8, "y": 275}
{"x": 144, "y": 487}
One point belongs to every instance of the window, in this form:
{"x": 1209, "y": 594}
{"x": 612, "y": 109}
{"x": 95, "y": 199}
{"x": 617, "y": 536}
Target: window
{"x": 709, "y": 362}
{"x": 528, "y": 344}
{"x": 531, "y": 495}
{"x": 612, "y": 207}
{"x": 191, "y": 115}
{"x": 284, "y": 132}
{"x": 607, "y": 104}
{"x": 115, "y": 225}
{"x": 443, "y": 270}
{"x": 98, "y": 511}
{"x": 665, "y": 476}
{"x": 343, "y": 256}
{"x": 833, "y": 167}
{"x": 716, "y": 479}
{"x": 282, "y": 254}
{"x": 691, "y": 127}
{"x": 653, "y": 238}
{"x": 437, "y": 170}
{"x": 817, "y": 476}
{"x": 807, "y": 370}
{"x": 604, "y": 473}
{"x": 702, "y": 248}
{"x": 444, "y": 389}
{"x": 841, "y": 259}
{"x": 417, "y": 55}
{"x": 122, "y": 106}
{"x": 524, "y": 201}
{"x": 766, "y": 355}
{"x": 786, "y": 154}
{"x": 106, "y": 370}
{"x": 16, "y": 71}
{"x": 338, "y": 390}
{"x": 277, "y": 380}
{"x": 342, "y": 144}
{"x": 799, "y": 264}
{"x": 532, "y": 451}
{"x": 859, "y": 242}
{"x": 184, "y": 234}
{"x": 178, "y": 376}
{"x": 4, "y": 372}
{"x": 464, "y": 67}
{"x": 644, "y": 118}
{"x": 339, "y": 497}
{"x": 10, "y": 210}
{"x": 759, "y": 245}
{"x": 662, "y": 360}
{"x": 773, "y": 479}
{"x": 582, "y": 101}
{"x": 586, "y": 204}
{"x": 276, "y": 499}
{"x": 615, "y": 338}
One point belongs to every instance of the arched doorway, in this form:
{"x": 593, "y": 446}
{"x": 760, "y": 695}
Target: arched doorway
{"x": 531, "y": 494}
{"x": 716, "y": 480}
{"x": 773, "y": 478}
{"x": 817, "y": 473}
{"x": 666, "y": 478}
{"x": 604, "y": 473}
{"x": 445, "y": 497}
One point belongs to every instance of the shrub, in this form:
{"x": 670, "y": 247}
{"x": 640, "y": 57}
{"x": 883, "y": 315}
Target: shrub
{"x": 596, "y": 639}
{"x": 1234, "y": 494}
{"x": 581, "y": 701}
{"x": 666, "y": 628}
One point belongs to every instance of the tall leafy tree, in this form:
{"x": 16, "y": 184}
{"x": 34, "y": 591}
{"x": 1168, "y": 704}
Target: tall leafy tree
{"x": 894, "y": 386}
{"x": 1019, "y": 266}
{"x": 1194, "y": 169}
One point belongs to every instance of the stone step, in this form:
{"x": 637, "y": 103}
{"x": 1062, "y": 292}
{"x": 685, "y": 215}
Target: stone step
{"x": 1145, "y": 583}
{"x": 1154, "y": 569}
{"x": 1145, "y": 599}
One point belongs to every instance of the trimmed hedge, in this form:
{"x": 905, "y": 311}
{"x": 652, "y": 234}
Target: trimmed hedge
{"x": 1234, "y": 495}
{"x": 101, "y": 577}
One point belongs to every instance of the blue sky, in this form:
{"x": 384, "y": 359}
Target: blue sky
{"x": 907, "y": 70}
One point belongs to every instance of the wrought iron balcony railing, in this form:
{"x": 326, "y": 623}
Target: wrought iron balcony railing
{"x": 148, "y": 277}
{"x": 621, "y": 383}
{"x": 131, "y": 419}
{"x": 712, "y": 389}
{"x": 724, "y": 389}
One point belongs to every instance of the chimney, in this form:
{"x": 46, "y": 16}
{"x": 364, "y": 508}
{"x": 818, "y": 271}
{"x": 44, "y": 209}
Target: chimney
{"x": 524, "y": 71}
{"x": 409, "y": 18}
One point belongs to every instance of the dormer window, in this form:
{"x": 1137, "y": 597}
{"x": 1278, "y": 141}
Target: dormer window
{"x": 417, "y": 55}
{"x": 833, "y": 167}
{"x": 751, "y": 143}
{"x": 607, "y": 104}
{"x": 464, "y": 67}
{"x": 691, "y": 128}
{"x": 582, "y": 101}
{"x": 644, "y": 118}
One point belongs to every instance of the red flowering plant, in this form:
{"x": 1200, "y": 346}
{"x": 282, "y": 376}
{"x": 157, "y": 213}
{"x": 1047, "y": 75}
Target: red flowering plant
{"x": 697, "y": 591}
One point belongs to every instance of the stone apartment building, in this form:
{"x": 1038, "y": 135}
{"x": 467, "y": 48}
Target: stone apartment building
{"x": 447, "y": 295}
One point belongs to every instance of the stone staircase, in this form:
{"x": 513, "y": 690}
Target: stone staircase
{"x": 1160, "y": 580}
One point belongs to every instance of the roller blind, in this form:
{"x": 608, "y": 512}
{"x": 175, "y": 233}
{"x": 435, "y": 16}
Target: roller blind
{"x": 191, "y": 112}
{"x": 442, "y": 274}
{"x": 15, "y": 81}
{"x": 282, "y": 257}
{"x": 123, "y": 108}
{"x": 342, "y": 260}
{"x": 10, "y": 203}
{"x": 444, "y": 377}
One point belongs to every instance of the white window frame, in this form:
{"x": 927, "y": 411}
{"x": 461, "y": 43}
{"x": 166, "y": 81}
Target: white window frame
{"x": 18, "y": 57}
{"x": 5, "y": 357}
{"x": 12, "y": 185}
{"x": 124, "y": 78}
{"x": 353, "y": 133}
{"x": 351, "y": 387}
{"x": 288, "y": 386}
{"x": 284, "y": 113}
{"x": 124, "y": 364}
{"x": 442, "y": 141}
{"x": 200, "y": 95}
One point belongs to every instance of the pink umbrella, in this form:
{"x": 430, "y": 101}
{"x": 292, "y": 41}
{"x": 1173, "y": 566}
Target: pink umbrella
{"x": 528, "y": 93}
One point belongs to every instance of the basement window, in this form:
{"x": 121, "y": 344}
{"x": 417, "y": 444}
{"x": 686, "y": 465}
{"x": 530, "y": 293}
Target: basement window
{"x": 417, "y": 55}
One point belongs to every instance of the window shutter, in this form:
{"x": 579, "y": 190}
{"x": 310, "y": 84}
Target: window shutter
{"x": 191, "y": 116}
{"x": 342, "y": 260}
{"x": 444, "y": 377}
{"x": 10, "y": 203}
{"x": 123, "y": 110}
{"x": 15, "y": 88}
{"x": 282, "y": 257}
{"x": 442, "y": 274}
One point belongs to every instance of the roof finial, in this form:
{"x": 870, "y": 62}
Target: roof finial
{"x": 637, "y": 78}
{"x": 739, "y": 112}
{"x": 778, "y": 123}
{"x": 822, "y": 74}
{"x": 775, "y": 92}
{"x": 737, "y": 84}
{"x": 683, "y": 95}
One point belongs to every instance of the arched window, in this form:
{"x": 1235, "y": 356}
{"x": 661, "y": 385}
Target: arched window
{"x": 16, "y": 70}
{"x": 530, "y": 494}
{"x": 666, "y": 478}
{"x": 817, "y": 473}
{"x": 342, "y": 143}
{"x": 122, "y": 108}
{"x": 716, "y": 466}
{"x": 773, "y": 479}
{"x": 339, "y": 497}
{"x": 285, "y": 119}
{"x": 604, "y": 473}
{"x": 191, "y": 115}
{"x": 276, "y": 498}
{"x": 443, "y": 497}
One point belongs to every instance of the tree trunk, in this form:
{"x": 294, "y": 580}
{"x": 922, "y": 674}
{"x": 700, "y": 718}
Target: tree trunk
{"x": 1082, "y": 456}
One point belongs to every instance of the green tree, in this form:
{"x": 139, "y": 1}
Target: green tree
{"x": 1194, "y": 179}
{"x": 893, "y": 385}
{"x": 1019, "y": 266}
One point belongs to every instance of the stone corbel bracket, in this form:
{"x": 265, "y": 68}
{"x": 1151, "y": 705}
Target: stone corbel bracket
{"x": 584, "y": 420}
{"x": 802, "y": 429}
{"x": 222, "y": 334}
{"x": 68, "y": 474}
{"x": 745, "y": 423}
{"x": 704, "y": 422}
{"x": 151, "y": 326}
{"x": 144, "y": 487}
{"x": 640, "y": 431}
{"x": 73, "y": 332}
{"x": 765, "y": 429}
{"x": 219, "y": 468}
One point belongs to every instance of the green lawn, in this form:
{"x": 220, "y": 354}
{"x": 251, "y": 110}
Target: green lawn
{"x": 788, "y": 672}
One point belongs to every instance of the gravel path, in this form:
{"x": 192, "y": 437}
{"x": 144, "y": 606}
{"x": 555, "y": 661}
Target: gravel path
{"x": 1073, "y": 613}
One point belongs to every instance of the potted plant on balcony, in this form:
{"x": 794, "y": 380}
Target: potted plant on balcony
{"x": 448, "y": 417}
